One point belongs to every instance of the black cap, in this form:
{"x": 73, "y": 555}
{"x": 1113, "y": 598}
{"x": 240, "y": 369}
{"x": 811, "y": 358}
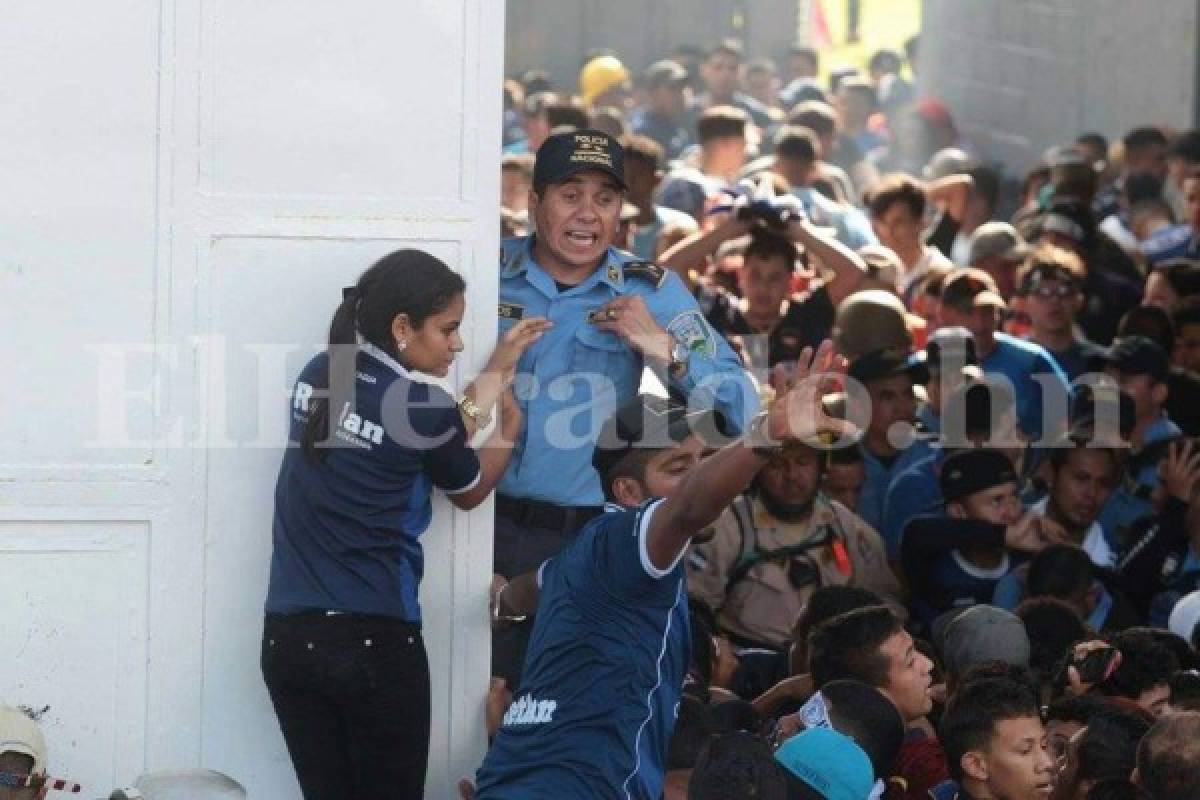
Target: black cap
{"x": 887, "y": 362}
{"x": 1137, "y": 355}
{"x": 664, "y": 73}
{"x": 652, "y": 422}
{"x": 1085, "y": 413}
{"x": 969, "y": 471}
{"x": 955, "y": 346}
{"x": 564, "y": 154}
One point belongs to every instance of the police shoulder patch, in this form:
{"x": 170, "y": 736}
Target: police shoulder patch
{"x": 690, "y": 329}
{"x": 647, "y": 271}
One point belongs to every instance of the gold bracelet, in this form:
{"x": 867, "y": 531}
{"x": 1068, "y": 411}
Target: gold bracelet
{"x": 468, "y": 407}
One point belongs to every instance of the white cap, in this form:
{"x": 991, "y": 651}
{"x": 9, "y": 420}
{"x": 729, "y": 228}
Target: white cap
{"x": 189, "y": 784}
{"x": 1184, "y": 616}
{"x": 21, "y": 734}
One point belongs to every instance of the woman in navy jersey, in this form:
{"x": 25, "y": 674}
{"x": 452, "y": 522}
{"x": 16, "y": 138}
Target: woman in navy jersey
{"x": 371, "y": 435}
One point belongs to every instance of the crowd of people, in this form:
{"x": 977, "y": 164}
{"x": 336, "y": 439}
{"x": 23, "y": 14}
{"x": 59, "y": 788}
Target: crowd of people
{"x": 987, "y": 591}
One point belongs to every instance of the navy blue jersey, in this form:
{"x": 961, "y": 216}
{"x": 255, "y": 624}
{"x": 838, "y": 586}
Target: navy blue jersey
{"x": 603, "y": 676}
{"x": 346, "y": 528}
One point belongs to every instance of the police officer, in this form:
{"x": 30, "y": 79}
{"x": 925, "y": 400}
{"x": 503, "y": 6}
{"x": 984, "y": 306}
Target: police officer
{"x": 613, "y": 315}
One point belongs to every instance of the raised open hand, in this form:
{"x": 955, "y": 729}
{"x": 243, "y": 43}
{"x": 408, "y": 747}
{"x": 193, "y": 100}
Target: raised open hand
{"x": 797, "y": 412}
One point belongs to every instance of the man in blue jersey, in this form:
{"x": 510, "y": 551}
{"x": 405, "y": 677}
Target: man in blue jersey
{"x": 971, "y": 300}
{"x": 603, "y": 677}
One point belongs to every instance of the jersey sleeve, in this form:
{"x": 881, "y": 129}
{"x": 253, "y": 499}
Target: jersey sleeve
{"x": 622, "y": 562}
{"x": 450, "y": 462}
{"x": 714, "y": 370}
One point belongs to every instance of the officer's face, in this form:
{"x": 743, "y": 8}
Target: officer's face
{"x": 576, "y": 222}
{"x": 431, "y": 347}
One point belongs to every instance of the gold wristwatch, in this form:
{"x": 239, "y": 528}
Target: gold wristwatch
{"x": 468, "y": 407}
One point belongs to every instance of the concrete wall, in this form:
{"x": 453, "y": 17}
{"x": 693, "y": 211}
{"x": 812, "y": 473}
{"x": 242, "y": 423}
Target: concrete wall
{"x": 556, "y": 34}
{"x": 187, "y": 186}
{"x": 1022, "y": 75}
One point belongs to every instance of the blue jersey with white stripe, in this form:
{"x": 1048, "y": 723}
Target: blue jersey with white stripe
{"x": 603, "y": 676}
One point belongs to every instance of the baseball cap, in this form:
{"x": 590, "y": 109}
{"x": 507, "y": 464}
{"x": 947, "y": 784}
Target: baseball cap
{"x": 885, "y": 363}
{"x": 652, "y": 422}
{"x": 21, "y": 734}
{"x": 1136, "y": 355}
{"x": 1185, "y": 615}
{"x": 664, "y": 73}
{"x": 984, "y": 633}
{"x": 829, "y": 762}
{"x": 947, "y": 161}
{"x": 569, "y": 152}
{"x": 992, "y": 239}
{"x": 969, "y": 288}
{"x": 601, "y": 74}
{"x": 969, "y": 471}
{"x": 870, "y": 320}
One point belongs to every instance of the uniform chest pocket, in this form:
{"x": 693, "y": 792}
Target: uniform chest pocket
{"x": 604, "y": 362}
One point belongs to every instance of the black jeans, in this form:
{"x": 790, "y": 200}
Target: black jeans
{"x": 351, "y": 693}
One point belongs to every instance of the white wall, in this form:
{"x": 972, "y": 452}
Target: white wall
{"x": 1022, "y": 75}
{"x": 187, "y": 185}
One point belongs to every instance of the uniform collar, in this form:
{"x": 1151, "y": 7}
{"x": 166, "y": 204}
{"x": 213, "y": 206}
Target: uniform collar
{"x": 520, "y": 259}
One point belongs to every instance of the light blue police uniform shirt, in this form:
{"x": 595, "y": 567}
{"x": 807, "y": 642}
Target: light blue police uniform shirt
{"x": 575, "y": 376}
{"x": 604, "y": 674}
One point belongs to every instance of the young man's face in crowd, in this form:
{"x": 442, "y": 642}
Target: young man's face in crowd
{"x": 844, "y": 483}
{"x": 979, "y": 320}
{"x": 1052, "y": 305}
{"x": 892, "y": 402}
{"x": 898, "y": 228}
{"x": 665, "y": 470}
{"x": 514, "y": 190}
{"x": 791, "y": 476}
{"x": 999, "y": 505}
{"x": 668, "y": 99}
{"x": 1187, "y": 348}
{"x": 1148, "y": 395}
{"x": 641, "y": 177}
{"x": 1082, "y": 485}
{"x": 1191, "y": 197}
{"x": 909, "y": 676}
{"x": 1158, "y": 292}
{"x": 765, "y": 283}
{"x": 1150, "y": 159}
{"x": 576, "y": 221}
{"x": 720, "y": 74}
{"x": 1015, "y": 764}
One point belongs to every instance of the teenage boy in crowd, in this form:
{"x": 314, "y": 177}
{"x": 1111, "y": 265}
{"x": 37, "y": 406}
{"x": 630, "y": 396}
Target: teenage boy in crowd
{"x": 995, "y": 743}
{"x": 1051, "y": 281}
{"x": 970, "y": 299}
{"x": 957, "y": 560}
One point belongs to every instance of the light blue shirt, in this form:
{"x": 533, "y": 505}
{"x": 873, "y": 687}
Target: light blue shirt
{"x": 879, "y": 479}
{"x": 850, "y": 225}
{"x": 645, "y": 240}
{"x": 1020, "y": 361}
{"x": 575, "y": 376}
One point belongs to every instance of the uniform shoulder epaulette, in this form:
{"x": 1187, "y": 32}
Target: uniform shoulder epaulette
{"x": 647, "y": 271}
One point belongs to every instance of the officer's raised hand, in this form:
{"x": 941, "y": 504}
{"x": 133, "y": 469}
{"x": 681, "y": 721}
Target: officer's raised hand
{"x": 628, "y": 317}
